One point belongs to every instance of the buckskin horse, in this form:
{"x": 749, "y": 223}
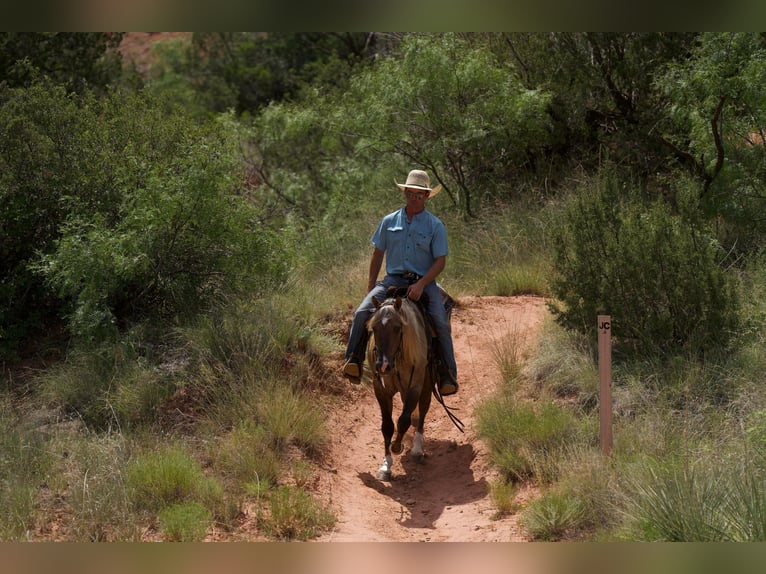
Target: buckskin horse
{"x": 402, "y": 360}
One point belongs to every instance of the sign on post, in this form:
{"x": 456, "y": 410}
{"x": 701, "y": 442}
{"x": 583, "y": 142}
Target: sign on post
{"x": 605, "y": 381}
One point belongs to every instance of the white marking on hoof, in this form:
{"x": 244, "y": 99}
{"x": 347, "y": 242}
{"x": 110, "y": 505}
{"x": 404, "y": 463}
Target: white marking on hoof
{"x": 417, "y": 447}
{"x": 384, "y": 472}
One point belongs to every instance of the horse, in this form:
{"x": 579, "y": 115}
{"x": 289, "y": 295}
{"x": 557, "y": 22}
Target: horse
{"x": 401, "y": 360}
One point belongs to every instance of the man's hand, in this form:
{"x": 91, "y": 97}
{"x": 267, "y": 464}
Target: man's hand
{"x": 415, "y": 290}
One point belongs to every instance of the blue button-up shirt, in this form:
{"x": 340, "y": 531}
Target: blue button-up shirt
{"x": 410, "y": 246}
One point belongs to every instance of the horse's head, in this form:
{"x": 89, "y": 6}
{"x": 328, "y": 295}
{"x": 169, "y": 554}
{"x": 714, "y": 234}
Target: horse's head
{"x": 387, "y": 327}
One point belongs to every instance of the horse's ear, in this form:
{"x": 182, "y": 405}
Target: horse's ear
{"x": 398, "y": 303}
{"x": 375, "y": 302}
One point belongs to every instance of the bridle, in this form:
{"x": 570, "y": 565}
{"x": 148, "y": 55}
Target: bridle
{"x": 398, "y": 353}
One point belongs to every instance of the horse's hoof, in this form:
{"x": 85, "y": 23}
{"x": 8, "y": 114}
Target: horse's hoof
{"x": 384, "y": 475}
{"x": 417, "y": 457}
{"x": 396, "y": 447}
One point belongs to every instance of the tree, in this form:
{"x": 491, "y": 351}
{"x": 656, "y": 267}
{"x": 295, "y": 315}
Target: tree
{"x": 657, "y": 273}
{"x": 717, "y": 127}
{"x": 450, "y": 108}
{"x": 76, "y": 60}
{"x": 115, "y": 210}
{"x": 247, "y": 71}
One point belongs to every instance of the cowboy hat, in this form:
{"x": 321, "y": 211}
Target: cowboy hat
{"x": 418, "y": 179}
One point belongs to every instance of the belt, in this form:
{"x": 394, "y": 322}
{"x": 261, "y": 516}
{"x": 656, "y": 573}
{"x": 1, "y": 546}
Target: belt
{"x": 409, "y": 275}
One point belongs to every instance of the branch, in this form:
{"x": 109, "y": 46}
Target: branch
{"x": 715, "y": 125}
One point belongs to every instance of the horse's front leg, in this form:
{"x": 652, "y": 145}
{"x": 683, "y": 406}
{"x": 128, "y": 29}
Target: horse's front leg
{"x": 410, "y": 414}
{"x": 419, "y": 417}
{"x": 387, "y": 428}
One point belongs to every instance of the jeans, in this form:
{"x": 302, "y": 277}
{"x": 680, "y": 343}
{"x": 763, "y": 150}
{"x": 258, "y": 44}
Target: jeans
{"x": 357, "y": 337}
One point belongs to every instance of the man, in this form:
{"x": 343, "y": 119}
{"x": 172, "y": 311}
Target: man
{"x": 414, "y": 243}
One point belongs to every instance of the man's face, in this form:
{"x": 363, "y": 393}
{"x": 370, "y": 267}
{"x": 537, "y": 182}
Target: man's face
{"x": 415, "y": 196}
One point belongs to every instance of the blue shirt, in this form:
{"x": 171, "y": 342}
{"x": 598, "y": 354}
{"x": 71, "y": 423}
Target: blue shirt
{"x": 410, "y": 246}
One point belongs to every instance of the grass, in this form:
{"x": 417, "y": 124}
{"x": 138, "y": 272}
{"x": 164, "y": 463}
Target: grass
{"x": 292, "y": 514}
{"x": 687, "y": 463}
{"x": 25, "y": 464}
{"x": 553, "y": 516}
{"x": 243, "y": 455}
{"x": 185, "y": 522}
{"x": 523, "y": 436}
{"x": 167, "y": 476}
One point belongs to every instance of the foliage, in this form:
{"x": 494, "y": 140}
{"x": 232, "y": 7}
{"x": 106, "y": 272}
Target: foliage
{"x": 24, "y": 465}
{"x": 658, "y": 275}
{"x": 122, "y": 210}
{"x": 452, "y": 109}
{"x": 294, "y": 515}
{"x": 247, "y": 70}
{"x": 75, "y": 60}
{"x": 717, "y": 125}
{"x": 185, "y": 522}
{"x": 168, "y": 476}
{"x": 606, "y": 90}
{"x": 521, "y": 435}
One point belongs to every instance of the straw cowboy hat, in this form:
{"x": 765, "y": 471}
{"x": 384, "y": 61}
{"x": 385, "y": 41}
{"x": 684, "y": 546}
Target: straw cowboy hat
{"x": 418, "y": 179}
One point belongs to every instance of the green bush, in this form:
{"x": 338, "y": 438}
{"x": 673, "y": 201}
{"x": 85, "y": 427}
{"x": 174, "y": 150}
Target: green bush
{"x": 168, "y": 476}
{"x": 657, "y": 273}
{"x": 523, "y": 436}
{"x": 294, "y": 515}
{"x": 185, "y": 522}
{"x": 553, "y": 515}
{"x": 117, "y": 208}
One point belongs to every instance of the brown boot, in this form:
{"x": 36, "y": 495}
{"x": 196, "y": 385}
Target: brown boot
{"x": 352, "y": 370}
{"x": 447, "y": 386}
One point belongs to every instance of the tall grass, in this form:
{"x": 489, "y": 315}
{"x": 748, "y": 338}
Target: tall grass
{"x": 109, "y": 387}
{"x": 161, "y": 478}
{"x": 687, "y": 462}
{"x": 293, "y": 514}
{"x": 523, "y": 437}
{"x": 24, "y": 466}
{"x": 97, "y": 489}
{"x": 502, "y": 252}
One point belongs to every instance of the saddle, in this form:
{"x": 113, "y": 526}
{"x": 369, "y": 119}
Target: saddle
{"x": 422, "y": 304}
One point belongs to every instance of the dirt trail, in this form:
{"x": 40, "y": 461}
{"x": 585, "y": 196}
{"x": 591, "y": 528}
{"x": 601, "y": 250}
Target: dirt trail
{"x": 446, "y": 498}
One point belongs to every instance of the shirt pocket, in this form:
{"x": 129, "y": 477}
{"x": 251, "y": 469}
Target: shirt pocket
{"x": 423, "y": 240}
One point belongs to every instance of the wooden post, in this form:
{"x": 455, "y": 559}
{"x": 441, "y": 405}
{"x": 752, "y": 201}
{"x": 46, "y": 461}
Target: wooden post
{"x": 605, "y": 381}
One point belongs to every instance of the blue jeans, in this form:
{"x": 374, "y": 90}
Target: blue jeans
{"x": 357, "y": 337}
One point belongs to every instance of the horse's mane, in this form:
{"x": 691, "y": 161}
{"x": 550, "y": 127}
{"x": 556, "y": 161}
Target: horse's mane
{"x": 414, "y": 342}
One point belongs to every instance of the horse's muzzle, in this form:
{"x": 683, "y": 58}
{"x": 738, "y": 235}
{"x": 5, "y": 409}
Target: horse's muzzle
{"x": 382, "y": 365}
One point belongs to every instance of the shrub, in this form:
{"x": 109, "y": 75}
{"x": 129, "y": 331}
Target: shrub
{"x": 522, "y": 436}
{"x": 185, "y": 521}
{"x": 657, "y": 273}
{"x": 553, "y": 515}
{"x": 170, "y": 475}
{"x": 117, "y": 208}
{"x": 294, "y": 515}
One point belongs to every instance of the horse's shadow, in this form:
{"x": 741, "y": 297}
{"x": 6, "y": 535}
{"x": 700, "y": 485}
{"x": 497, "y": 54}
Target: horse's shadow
{"x": 444, "y": 478}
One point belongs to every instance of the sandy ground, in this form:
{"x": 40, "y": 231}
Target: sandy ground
{"x": 445, "y": 498}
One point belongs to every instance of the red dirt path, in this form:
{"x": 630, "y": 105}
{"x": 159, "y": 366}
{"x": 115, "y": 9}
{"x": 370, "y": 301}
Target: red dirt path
{"x": 446, "y": 498}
